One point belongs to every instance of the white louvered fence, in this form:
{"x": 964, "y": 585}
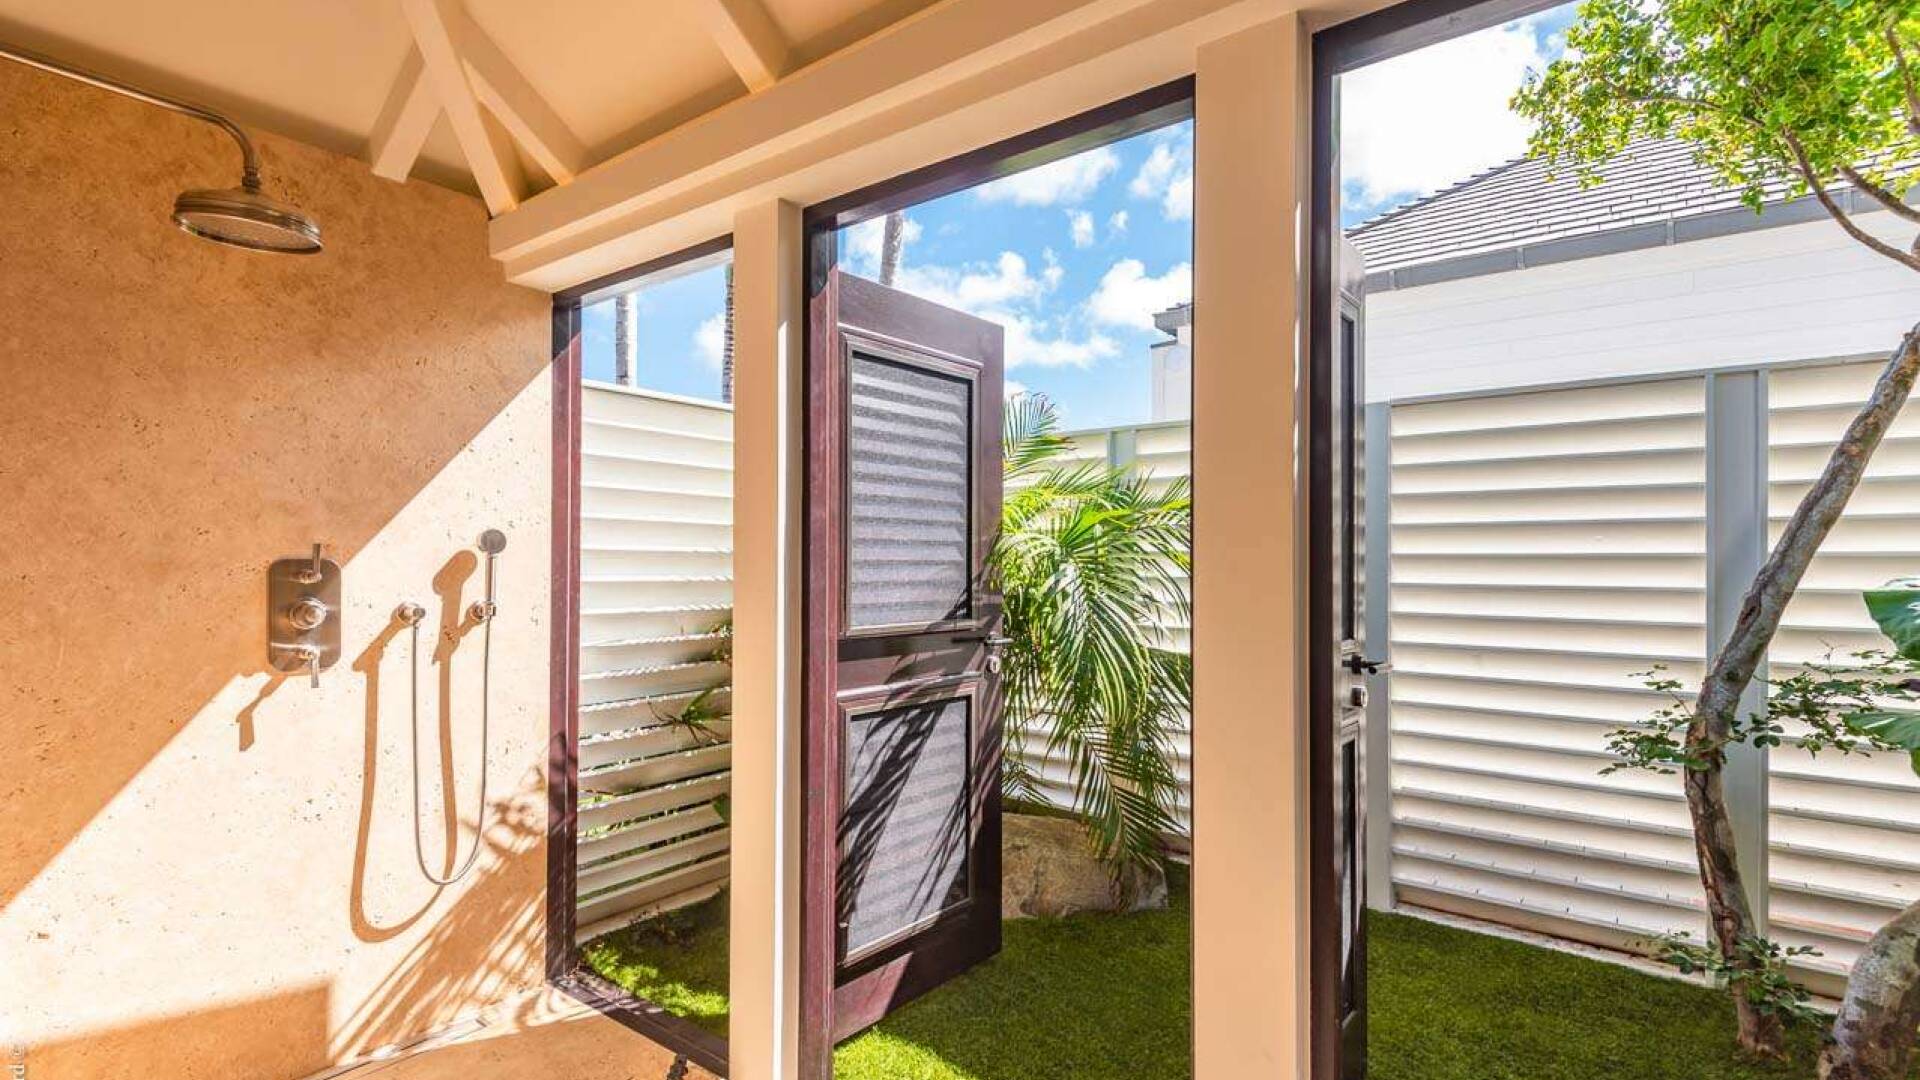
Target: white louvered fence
{"x": 1543, "y": 547}
{"x": 656, "y": 596}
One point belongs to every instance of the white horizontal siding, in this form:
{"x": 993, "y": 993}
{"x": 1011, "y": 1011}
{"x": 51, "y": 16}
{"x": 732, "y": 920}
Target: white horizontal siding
{"x": 656, "y": 601}
{"x": 1545, "y": 548}
{"x": 1768, "y": 296}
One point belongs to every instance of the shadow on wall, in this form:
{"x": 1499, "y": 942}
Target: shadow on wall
{"x": 179, "y": 826}
{"x": 438, "y": 977}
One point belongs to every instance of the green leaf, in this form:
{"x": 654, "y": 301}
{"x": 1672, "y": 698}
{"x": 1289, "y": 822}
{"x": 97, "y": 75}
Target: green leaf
{"x": 1894, "y": 727}
{"x": 1896, "y": 607}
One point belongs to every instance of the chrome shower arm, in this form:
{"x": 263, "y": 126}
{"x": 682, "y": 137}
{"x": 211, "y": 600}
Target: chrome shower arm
{"x": 250, "y": 177}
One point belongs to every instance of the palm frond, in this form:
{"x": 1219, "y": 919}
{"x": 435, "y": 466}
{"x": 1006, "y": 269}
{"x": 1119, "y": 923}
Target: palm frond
{"x": 1089, "y": 560}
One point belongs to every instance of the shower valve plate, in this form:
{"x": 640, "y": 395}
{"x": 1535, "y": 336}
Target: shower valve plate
{"x": 285, "y": 589}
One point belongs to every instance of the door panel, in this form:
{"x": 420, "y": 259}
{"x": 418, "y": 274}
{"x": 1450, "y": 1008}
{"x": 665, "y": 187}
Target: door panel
{"x": 1345, "y": 799}
{"x": 902, "y": 750}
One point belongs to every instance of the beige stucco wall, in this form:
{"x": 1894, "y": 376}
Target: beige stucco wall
{"x": 205, "y": 871}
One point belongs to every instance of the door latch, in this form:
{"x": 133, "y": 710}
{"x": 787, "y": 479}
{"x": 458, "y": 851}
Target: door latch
{"x": 1360, "y": 665}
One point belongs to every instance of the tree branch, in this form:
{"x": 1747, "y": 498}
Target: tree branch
{"x": 1906, "y": 78}
{"x": 1874, "y": 243}
{"x": 1880, "y": 194}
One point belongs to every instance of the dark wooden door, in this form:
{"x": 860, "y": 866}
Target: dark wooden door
{"x": 902, "y": 748}
{"x": 1349, "y": 682}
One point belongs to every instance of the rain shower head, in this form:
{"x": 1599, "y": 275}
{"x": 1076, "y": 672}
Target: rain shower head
{"x": 245, "y": 218}
{"x": 493, "y": 541}
{"x": 241, "y": 217}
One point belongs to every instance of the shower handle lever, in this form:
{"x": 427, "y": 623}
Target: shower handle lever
{"x": 310, "y": 654}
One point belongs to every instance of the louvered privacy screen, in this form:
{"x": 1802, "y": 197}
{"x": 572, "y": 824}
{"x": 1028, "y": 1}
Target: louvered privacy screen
{"x": 1845, "y": 830}
{"x": 1546, "y": 546}
{"x": 909, "y": 498}
{"x": 903, "y": 832}
{"x": 656, "y": 594}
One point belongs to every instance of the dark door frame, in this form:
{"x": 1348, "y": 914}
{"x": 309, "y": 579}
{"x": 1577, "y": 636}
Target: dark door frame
{"x": 1158, "y": 107}
{"x": 1337, "y": 50}
{"x": 563, "y": 967}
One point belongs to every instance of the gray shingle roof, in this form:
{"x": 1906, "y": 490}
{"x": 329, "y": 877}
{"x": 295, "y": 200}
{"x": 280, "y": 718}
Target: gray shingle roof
{"x": 1516, "y": 205}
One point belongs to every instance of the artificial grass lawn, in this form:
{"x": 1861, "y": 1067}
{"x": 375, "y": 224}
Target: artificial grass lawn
{"x": 1103, "y": 997}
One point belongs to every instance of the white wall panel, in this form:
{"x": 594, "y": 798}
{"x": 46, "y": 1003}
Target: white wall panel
{"x": 1767, "y": 296}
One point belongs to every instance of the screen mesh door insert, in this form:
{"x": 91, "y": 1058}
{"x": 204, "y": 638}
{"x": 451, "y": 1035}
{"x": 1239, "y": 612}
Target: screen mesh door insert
{"x": 905, "y": 824}
{"x": 909, "y": 495}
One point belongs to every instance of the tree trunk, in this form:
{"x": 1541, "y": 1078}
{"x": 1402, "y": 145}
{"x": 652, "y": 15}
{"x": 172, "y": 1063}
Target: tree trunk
{"x": 1873, "y": 1035}
{"x": 1733, "y": 668}
{"x": 890, "y": 238}
{"x": 623, "y": 339}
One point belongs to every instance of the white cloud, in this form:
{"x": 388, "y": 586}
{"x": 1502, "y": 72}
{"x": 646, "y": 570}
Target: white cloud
{"x": 976, "y": 287}
{"x": 997, "y": 291}
{"x": 1117, "y": 224}
{"x": 710, "y": 339}
{"x": 1081, "y": 223}
{"x": 1014, "y": 389}
{"x": 1031, "y": 342}
{"x": 1167, "y": 175}
{"x": 1057, "y": 183}
{"x": 862, "y": 254}
{"x": 1429, "y": 118}
{"x": 1128, "y": 296}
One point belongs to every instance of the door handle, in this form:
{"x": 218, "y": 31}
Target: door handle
{"x": 1360, "y": 665}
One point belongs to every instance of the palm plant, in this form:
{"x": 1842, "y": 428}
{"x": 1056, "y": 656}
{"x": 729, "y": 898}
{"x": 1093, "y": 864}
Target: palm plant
{"x": 1089, "y": 559}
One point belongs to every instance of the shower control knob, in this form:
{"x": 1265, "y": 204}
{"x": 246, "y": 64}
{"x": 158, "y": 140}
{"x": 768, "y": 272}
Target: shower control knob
{"x": 306, "y": 613}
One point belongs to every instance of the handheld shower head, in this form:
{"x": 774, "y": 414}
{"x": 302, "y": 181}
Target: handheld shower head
{"x": 492, "y": 542}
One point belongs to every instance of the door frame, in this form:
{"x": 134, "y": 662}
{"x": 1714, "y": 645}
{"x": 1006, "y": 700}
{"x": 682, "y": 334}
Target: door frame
{"x": 1337, "y": 50}
{"x": 1158, "y": 107}
{"x": 564, "y": 970}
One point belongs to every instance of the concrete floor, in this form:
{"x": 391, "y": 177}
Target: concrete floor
{"x": 546, "y": 1034}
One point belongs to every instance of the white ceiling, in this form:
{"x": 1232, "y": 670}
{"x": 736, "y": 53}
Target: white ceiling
{"x": 614, "y": 72}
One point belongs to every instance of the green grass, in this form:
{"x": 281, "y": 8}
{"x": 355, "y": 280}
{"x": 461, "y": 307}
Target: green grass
{"x": 1099, "y": 997}
{"x": 1449, "y": 1004}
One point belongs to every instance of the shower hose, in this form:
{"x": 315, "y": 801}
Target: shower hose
{"x": 486, "y": 701}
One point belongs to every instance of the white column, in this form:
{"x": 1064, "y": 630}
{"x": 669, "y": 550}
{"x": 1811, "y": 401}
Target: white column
{"x": 768, "y": 476}
{"x": 1250, "y": 971}
{"x": 1379, "y": 607}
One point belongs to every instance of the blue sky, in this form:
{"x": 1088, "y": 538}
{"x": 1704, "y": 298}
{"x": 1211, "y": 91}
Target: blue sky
{"x": 1075, "y": 257}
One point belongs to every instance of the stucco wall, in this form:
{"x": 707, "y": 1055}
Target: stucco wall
{"x": 206, "y": 871}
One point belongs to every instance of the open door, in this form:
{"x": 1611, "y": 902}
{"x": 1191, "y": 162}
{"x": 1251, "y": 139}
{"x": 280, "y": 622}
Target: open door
{"x": 1340, "y": 797}
{"x": 901, "y": 828}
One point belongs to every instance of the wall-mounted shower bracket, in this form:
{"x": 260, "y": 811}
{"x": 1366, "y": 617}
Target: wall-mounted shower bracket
{"x": 303, "y": 615}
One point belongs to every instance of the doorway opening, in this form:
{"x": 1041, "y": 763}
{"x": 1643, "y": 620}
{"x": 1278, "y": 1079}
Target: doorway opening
{"x": 638, "y": 844}
{"x": 1586, "y": 409}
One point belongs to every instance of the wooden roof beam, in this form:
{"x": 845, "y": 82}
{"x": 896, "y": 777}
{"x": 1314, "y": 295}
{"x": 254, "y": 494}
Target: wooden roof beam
{"x": 405, "y": 121}
{"x": 748, "y": 37}
{"x": 496, "y": 173}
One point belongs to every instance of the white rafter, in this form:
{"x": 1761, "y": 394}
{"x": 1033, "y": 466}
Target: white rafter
{"x": 405, "y": 121}
{"x": 496, "y": 169}
{"x": 515, "y": 103}
{"x": 747, "y": 35}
